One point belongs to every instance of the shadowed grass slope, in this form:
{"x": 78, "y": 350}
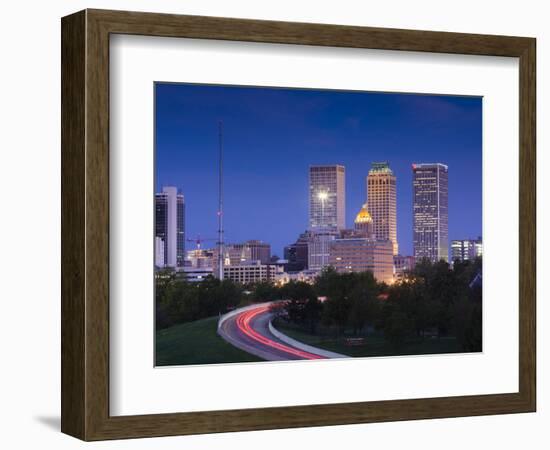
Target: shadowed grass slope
{"x": 196, "y": 343}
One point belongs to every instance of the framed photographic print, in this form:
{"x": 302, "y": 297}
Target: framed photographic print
{"x": 270, "y": 224}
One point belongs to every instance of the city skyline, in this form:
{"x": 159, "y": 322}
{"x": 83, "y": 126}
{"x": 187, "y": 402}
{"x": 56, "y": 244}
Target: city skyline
{"x": 258, "y": 194}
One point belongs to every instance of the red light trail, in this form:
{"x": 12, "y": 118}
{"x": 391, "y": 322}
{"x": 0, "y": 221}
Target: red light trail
{"x": 243, "y": 323}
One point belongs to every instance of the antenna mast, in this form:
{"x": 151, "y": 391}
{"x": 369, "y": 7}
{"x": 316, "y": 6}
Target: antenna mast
{"x": 220, "y": 202}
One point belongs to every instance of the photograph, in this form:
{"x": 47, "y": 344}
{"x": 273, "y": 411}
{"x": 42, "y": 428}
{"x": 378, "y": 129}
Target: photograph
{"x": 306, "y": 224}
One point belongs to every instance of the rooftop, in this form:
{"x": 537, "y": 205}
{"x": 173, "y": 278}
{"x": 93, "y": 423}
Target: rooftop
{"x": 380, "y": 167}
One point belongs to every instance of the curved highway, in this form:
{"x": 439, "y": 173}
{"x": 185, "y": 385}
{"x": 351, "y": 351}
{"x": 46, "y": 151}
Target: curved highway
{"x": 248, "y": 329}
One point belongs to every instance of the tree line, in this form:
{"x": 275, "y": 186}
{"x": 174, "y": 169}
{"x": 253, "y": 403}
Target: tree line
{"x": 433, "y": 300}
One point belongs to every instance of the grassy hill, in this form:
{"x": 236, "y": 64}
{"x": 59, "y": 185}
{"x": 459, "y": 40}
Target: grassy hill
{"x": 196, "y": 343}
{"x": 373, "y": 345}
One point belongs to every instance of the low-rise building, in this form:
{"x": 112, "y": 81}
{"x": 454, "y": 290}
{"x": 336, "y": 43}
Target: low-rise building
{"x": 403, "y": 265}
{"x": 252, "y": 273}
{"x": 319, "y": 248}
{"x": 361, "y": 255}
{"x": 252, "y": 250}
{"x": 195, "y": 274}
{"x": 466, "y": 249}
{"x": 199, "y": 258}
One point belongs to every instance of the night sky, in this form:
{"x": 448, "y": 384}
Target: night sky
{"x": 272, "y": 136}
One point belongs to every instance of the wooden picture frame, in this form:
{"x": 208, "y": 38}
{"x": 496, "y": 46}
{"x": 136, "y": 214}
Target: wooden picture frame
{"x": 85, "y": 224}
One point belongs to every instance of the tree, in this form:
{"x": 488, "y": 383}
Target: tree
{"x": 301, "y": 303}
{"x": 364, "y": 305}
{"x": 265, "y": 291}
{"x": 467, "y": 321}
{"x": 443, "y": 288}
{"x": 178, "y": 301}
{"x": 398, "y": 326}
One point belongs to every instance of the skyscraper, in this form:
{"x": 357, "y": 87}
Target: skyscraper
{"x": 170, "y": 226}
{"x": 327, "y": 197}
{"x": 382, "y": 201}
{"x": 430, "y": 212}
{"x": 180, "y": 230}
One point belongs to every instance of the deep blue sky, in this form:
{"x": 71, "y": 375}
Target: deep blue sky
{"x": 272, "y": 136}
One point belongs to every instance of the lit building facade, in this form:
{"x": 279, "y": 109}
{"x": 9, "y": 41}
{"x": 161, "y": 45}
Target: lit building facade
{"x": 382, "y": 200}
{"x": 362, "y": 226}
{"x": 466, "y": 249}
{"x": 244, "y": 253}
{"x": 318, "y": 248}
{"x": 403, "y": 265}
{"x": 327, "y": 197}
{"x": 252, "y": 250}
{"x": 170, "y": 227}
{"x": 361, "y": 255}
{"x": 159, "y": 252}
{"x": 180, "y": 231}
{"x": 363, "y": 223}
{"x": 252, "y": 273}
{"x": 327, "y": 211}
{"x": 200, "y": 258}
{"x": 430, "y": 212}
{"x": 196, "y": 274}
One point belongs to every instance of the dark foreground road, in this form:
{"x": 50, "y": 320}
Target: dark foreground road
{"x": 249, "y": 331}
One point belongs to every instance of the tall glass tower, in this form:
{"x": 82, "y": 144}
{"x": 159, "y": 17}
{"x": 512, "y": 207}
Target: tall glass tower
{"x": 430, "y": 211}
{"x": 327, "y": 197}
{"x": 382, "y": 200}
{"x": 170, "y": 227}
{"x": 327, "y": 211}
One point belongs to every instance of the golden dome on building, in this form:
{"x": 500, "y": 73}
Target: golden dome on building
{"x": 363, "y": 216}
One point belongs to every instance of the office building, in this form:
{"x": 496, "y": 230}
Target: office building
{"x": 363, "y": 223}
{"x": 430, "y": 212}
{"x": 200, "y": 258}
{"x": 252, "y": 273}
{"x": 362, "y": 226}
{"x": 170, "y": 226}
{"x": 196, "y": 274}
{"x": 318, "y": 249}
{"x": 403, "y": 265}
{"x": 297, "y": 254}
{"x": 466, "y": 249}
{"x": 159, "y": 252}
{"x": 244, "y": 253}
{"x": 327, "y": 197}
{"x": 382, "y": 201}
{"x": 361, "y": 255}
{"x": 252, "y": 250}
{"x": 180, "y": 227}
